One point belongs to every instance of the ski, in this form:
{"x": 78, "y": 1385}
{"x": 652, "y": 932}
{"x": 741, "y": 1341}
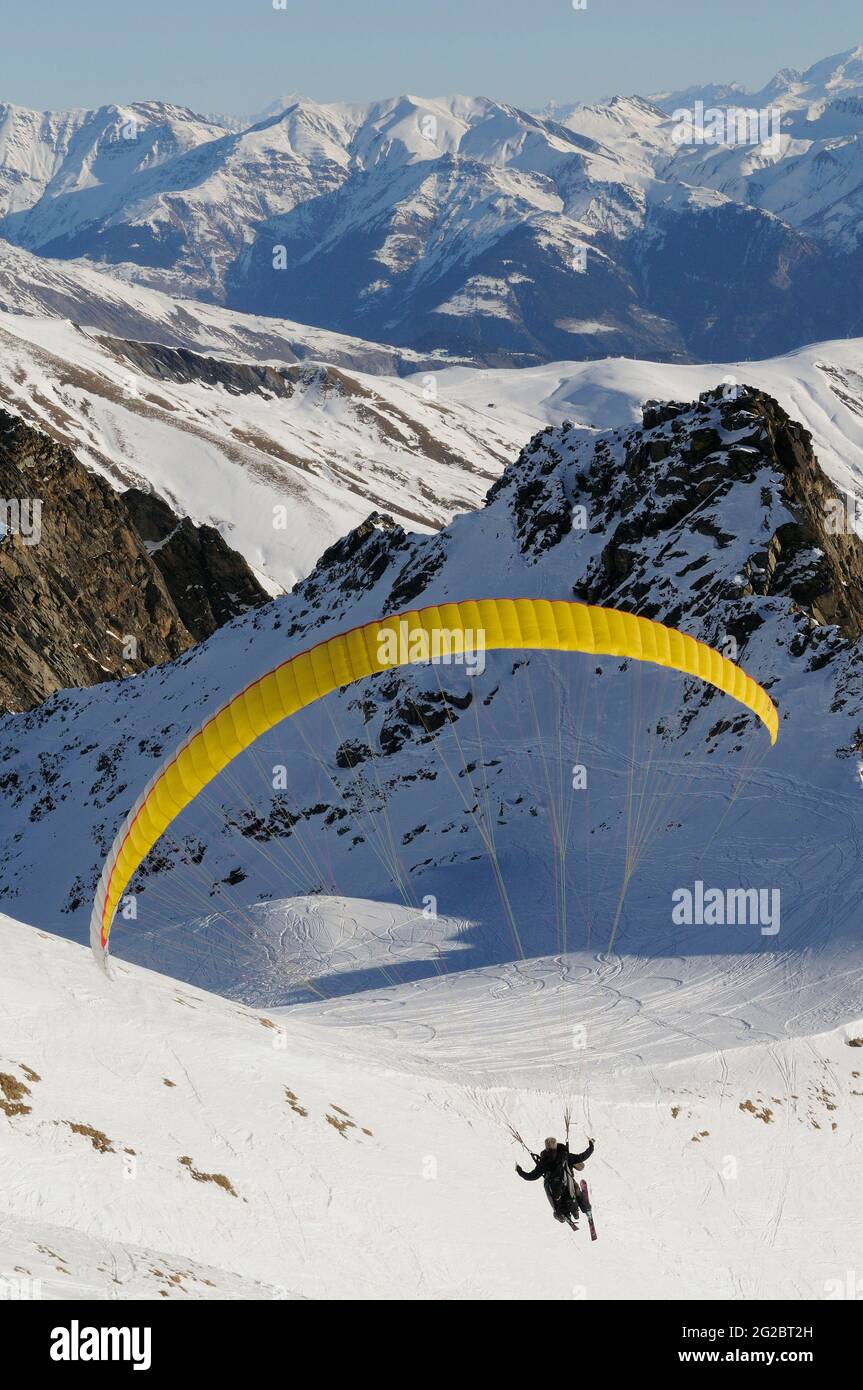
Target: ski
{"x": 589, "y": 1212}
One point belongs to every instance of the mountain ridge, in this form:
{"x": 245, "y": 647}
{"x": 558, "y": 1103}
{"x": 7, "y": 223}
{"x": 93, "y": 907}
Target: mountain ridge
{"x": 471, "y": 225}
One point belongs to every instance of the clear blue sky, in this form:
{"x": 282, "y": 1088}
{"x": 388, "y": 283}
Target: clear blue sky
{"x": 238, "y": 55}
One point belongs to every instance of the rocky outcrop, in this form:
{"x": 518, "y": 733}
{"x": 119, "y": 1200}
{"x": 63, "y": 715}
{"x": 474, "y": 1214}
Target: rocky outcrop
{"x": 653, "y": 492}
{"x": 209, "y": 582}
{"x": 182, "y": 366}
{"x": 82, "y": 599}
{"x": 352, "y": 566}
{"x": 713, "y": 516}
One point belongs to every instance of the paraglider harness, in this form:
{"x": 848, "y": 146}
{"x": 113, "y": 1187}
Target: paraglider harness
{"x": 558, "y": 1178}
{"x": 559, "y": 1182}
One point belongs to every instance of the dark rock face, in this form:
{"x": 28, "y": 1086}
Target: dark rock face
{"x": 209, "y": 582}
{"x": 349, "y": 568}
{"x": 180, "y": 365}
{"x": 183, "y": 366}
{"x": 679, "y": 468}
{"x": 81, "y": 598}
{"x": 541, "y": 514}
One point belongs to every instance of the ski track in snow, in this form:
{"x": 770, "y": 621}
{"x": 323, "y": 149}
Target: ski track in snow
{"x": 694, "y": 1195}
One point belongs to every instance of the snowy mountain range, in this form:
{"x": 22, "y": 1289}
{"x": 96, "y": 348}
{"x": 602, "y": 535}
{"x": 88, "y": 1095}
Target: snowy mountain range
{"x": 464, "y": 223}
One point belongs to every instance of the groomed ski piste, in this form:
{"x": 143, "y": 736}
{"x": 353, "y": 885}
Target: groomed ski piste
{"x": 163, "y": 1142}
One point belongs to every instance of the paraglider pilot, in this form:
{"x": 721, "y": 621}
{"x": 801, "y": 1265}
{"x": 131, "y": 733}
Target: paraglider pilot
{"x": 555, "y": 1166}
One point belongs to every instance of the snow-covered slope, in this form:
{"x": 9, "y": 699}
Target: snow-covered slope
{"x": 821, "y": 386}
{"x": 338, "y": 444}
{"x": 281, "y": 461}
{"x": 39, "y": 287}
{"x": 337, "y": 1155}
{"x": 48, "y": 155}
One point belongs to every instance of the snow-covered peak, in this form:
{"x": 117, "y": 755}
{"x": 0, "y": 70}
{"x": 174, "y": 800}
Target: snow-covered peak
{"x": 837, "y": 72}
{"x": 303, "y": 128}
{"x": 44, "y": 153}
{"x": 466, "y": 224}
{"x": 621, "y": 118}
{"x": 791, "y": 89}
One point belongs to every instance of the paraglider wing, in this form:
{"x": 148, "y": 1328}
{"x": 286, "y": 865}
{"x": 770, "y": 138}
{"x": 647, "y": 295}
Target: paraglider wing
{"x": 551, "y": 625}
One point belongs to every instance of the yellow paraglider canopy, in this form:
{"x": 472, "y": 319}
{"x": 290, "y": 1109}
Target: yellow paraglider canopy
{"x": 405, "y": 638}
